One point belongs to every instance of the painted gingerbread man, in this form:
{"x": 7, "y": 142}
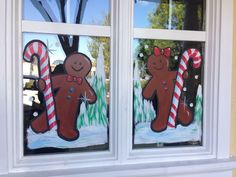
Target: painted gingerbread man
{"x": 161, "y": 85}
{"x": 72, "y": 86}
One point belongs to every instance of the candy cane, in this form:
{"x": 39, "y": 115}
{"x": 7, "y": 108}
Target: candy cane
{"x": 39, "y": 49}
{"x": 197, "y": 59}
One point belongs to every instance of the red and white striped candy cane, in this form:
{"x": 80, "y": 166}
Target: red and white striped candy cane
{"x": 197, "y": 59}
{"x": 39, "y": 49}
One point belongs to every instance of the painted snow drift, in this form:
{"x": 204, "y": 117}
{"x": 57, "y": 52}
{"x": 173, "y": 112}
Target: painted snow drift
{"x": 89, "y": 136}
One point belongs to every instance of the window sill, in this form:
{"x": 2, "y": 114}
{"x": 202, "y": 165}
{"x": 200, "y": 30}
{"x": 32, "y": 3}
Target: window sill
{"x": 128, "y": 170}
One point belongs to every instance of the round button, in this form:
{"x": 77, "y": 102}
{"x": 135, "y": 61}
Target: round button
{"x": 72, "y": 89}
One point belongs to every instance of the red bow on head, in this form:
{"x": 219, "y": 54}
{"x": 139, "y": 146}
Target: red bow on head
{"x": 74, "y": 79}
{"x": 165, "y": 52}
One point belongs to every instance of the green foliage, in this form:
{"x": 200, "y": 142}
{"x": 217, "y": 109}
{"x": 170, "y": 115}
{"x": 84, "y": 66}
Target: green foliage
{"x": 198, "y": 108}
{"x": 83, "y": 117}
{"x": 94, "y": 114}
{"x": 97, "y": 112}
{"x": 159, "y": 19}
{"x": 143, "y": 110}
{"x": 93, "y": 47}
{"x": 96, "y": 42}
{"x": 30, "y": 85}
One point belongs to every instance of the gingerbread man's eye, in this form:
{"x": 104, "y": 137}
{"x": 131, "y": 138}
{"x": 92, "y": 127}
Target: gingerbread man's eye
{"x": 75, "y": 62}
{"x": 80, "y": 63}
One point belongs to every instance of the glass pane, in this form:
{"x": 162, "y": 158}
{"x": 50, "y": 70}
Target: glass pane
{"x": 170, "y": 14}
{"x": 65, "y": 95}
{"x": 168, "y": 89}
{"x": 90, "y": 12}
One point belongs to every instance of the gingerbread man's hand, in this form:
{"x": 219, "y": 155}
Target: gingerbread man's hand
{"x": 91, "y": 96}
{"x": 41, "y": 84}
{"x": 185, "y": 75}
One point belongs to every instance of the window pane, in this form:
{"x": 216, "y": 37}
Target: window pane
{"x": 90, "y": 12}
{"x": 168, "y": 89}
{"x": 66, "y": 101}
{"x": 170, "y": 14}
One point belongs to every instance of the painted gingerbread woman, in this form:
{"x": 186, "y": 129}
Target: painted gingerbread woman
{"x": 162, "y": 85}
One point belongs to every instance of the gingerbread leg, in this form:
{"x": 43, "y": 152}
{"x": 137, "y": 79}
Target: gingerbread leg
{"x": 40, "y": 123}
{"x": 160, "y": 122}
{"x": 67, "y": 124}
{"x": 185, "y": 115}
{"x": 67, "y": 130}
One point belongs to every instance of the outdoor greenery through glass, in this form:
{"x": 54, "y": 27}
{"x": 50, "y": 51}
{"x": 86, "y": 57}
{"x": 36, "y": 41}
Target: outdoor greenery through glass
{"x": 170, "y": 14}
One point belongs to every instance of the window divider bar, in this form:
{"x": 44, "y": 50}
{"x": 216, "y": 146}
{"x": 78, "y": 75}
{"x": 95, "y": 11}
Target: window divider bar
{"x": 177, "y": 35}
{"x": 67, "y": 29}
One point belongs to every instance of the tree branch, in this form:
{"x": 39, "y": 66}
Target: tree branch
{"x": 75, "y": 43}
{"x": 38, "y": 5}
{"x": 63, "y": 16}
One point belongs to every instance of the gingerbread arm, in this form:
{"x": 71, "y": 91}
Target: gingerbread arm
{"x": 149, "y": 90}
{"x": 89, "y": 93}
{"x": 185, "y": 75}
{"x": 58, "y": 81}
{"x": 173, "y": 74}
{"x": 41, "y": 84}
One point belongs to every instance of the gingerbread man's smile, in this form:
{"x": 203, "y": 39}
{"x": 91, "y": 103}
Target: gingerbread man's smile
{"x": 77, "y": 70}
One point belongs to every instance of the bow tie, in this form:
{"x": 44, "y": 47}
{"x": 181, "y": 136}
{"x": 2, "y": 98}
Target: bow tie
{"x": 74, "y": 79}
{"x": 164, "y": 52}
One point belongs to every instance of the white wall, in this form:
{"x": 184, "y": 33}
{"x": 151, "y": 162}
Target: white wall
{"x": 3, "y": 142}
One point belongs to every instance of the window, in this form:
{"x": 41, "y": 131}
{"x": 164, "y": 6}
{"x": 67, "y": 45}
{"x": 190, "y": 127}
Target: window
{"x": 89, "y": 126}
{"x": 114, "y": 128}
{"x": 157, "y": 110}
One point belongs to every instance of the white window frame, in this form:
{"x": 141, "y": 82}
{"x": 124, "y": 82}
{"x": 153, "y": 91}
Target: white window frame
{"x": 121, "y": 160}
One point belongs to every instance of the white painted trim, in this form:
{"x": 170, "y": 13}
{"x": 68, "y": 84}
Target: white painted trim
{"x": 64, "y": 28}
{"x": 176, "y": 35}
{"x": 210, "y": 37}
{"x": 113, "y": 140}
{"x": 3, "y": 99}
{"x": 187, "y": 168}
{"x": 225, "y": 78}
{"x": 124, "y": 80}
{"x": 14, "y": 94}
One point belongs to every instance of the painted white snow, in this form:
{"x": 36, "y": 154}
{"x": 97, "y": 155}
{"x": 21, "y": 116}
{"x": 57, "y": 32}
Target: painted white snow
{"x": 100, "y": 71}
{"x": 199, "y": 91}
{"x": 149, "y": 111}
{"x": 89, "y": 136}
{"x": 144, "y": 134}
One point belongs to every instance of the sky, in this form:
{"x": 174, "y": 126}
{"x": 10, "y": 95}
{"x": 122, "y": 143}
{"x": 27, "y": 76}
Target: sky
{"x": 94, "y": 11}
{"x": 141, "y": 11}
